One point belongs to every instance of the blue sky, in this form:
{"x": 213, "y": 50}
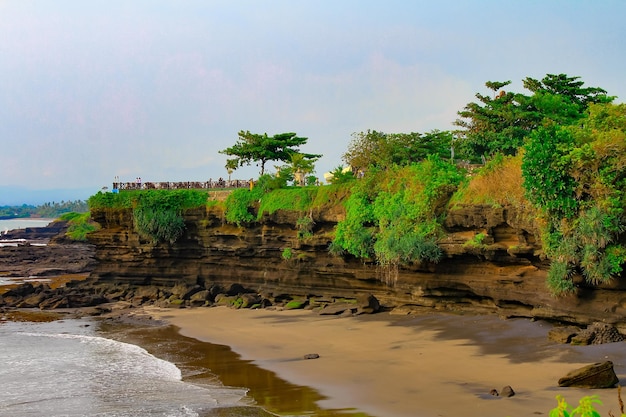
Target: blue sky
{"x": 94, "y": 89}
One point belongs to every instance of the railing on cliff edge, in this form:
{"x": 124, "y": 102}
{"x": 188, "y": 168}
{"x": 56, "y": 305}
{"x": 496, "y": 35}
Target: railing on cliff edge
{"x": 181, "y": 185}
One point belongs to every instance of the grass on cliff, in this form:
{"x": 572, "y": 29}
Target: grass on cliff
{"x": 497, "y": 184}
{"x": 79, "y": 225}
{"x": 157, "y": 214}
{"x": 247, "y": 206}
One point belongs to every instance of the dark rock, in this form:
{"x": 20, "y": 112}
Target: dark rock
{"x": 146, "y": 293}
{"x": 236, "y": 289}
{"x": 32, "y": 301}
{"x": 604, "y": 333}
{"x": 494, "y": 392}
{"x": 507, "y": 391}
{"x": 583, "y": 338}
{"x": 191, "y": 291}
{"x": 56, "y": 301}
{"x": 338, "y": 308}
{"x": 200, "y": 298}
{"x": 250, "y": 300}
{"x": 367, "y": 304}
{"x": 225, "y": 300}
{"x": 311, "y": 356}
{"x": 563, "y": 334}
{"x": 597, "y": 375}
{"x": 21, "y": 290}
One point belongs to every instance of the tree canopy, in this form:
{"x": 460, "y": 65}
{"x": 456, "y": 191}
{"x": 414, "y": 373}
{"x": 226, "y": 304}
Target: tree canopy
{"x": 384, "y": 150}
{"x": 261, "y": 148}
{"x": 502, "y": 123}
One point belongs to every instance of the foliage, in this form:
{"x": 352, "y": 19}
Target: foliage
{"x": 501, "y": 124}
{"x": 305, "y": 227}
{"x": 302, "y": 165}
{"x": 576, "y": 176}
{"x": 157, "y": 214}
{"x": 341, "y": 175}
{"x": 79, "y": 225}
{"x": 245, "y": 206}
{"x": 253, "y": 147}
{"x": 585, "y": 407}
{"x": 50, "y": 210}
{"x": 384, "y": 150}
{"x": 241, "y": 203}
{"x": 477, "y": 241}
{"x": 545, "y": 169}
{"x": 570, "y": 88}
{"x": 159, "y": 224}
{"x": 393, "y": 216}
{"x": 287, "y": 254}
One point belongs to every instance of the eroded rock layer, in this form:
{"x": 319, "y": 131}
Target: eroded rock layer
{"x": 504, "y": 272}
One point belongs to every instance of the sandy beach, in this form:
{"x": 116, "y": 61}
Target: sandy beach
{"x": 399, "y": 366}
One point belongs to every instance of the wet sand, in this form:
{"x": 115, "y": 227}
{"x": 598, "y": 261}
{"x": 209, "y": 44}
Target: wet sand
{"x": 400, "y": 366}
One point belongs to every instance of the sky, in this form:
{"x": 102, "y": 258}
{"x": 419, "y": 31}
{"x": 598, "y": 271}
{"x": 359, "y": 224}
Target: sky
{"x": 92, "y": 90}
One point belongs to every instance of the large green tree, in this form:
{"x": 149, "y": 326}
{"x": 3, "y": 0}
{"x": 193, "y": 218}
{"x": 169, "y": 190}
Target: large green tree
{"x": 261, "y": 148}
{"x": 501, "y": 122}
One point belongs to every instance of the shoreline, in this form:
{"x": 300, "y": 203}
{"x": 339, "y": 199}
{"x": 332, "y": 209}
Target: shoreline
{"x": 434, "y": 364}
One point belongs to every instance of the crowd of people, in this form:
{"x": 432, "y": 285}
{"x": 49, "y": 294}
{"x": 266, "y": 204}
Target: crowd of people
{"x": 179, "y": 185}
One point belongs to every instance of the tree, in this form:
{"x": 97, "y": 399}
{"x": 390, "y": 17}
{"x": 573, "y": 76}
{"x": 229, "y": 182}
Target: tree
{"x": 502, "y": 123}
{"x": 302, "y": 165}
{"x": 252, "y": 147}
{"x": 570, "y": 88}
{"x": 384, "y": 150}
{"x": 493, "y": 125}
{"x": 231, "y": 165}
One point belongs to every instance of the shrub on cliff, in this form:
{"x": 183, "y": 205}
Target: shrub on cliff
{"x": 270, "y": 195}
{"x": 576, "y": 176}
{"x": 79, "y": 225}
{"x": 157, "y": 214}
{"x": 393, "y": 216}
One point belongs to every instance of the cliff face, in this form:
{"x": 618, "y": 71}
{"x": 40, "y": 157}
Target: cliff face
{"x": 504, "y": 272}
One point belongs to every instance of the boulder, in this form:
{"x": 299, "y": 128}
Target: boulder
{"x": 563, "y": 334}
{"x": 507, "y": 391}
{"x": 200, "y": 298}
{"x": 604, "y": 333}
{"x": 250, "y": 300}
{"x": 32, "y": 301}
{"x": 597, "y": 375}
{"x": 367, "y": 304}
{"x": 338, "y": 308}
{"x": 596, "y": 334}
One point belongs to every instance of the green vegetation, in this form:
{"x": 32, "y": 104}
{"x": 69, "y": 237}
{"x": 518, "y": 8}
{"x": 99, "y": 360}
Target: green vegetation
{"x": 253, "y": 147}
{"x": 287, "y": 254}
{"x": 48, "y": 210}
{"x": 394, "y": 216}
{"x": 380, "y": 150}
{"x": 576, "y": 176}
{"x": 477, "y": 241}
{"x": 79, "y": 225}
{"x": 556, "y": 153}
{"x": 502, "y": 123}
{"x": 585, "y": 407}
{"x": 157, "y": 214}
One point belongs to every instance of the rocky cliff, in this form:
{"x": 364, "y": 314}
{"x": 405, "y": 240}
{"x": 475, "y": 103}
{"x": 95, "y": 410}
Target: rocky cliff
{"x": 503, "y": 272}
